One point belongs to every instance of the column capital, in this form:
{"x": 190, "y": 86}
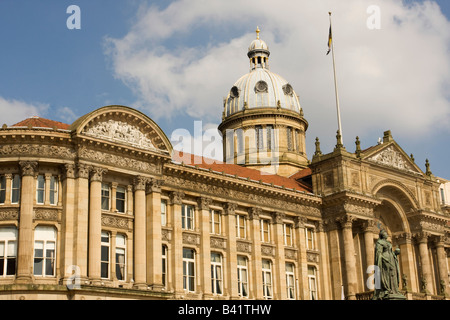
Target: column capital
{"x": 8, "y": 176}
{"x": 204, "y": 203}
{"x": 97, "y": 173}
{"x": 229, "y": 208}
{"x": 68, "y": 170}
{"x": 83, "y": 171}
{"x": 139, "y": 183}
{"x": 422, "y": 237}
{"x": 254, "y": 213}
{"x": 154, "y": 185}
{"x": 402, "y": 238}
{"x": 278, "y": 217}
{"x": 439, "y": 241}
{"x": 300, "y": 222}
{"x": 369, "y": 226}
{"x": 346, "y": 221}
{"x": 176, "y": 197}
{"x": 28, "y": 168}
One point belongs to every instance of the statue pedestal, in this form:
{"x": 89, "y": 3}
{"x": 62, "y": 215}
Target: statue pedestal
{"x": 394, "y": 296}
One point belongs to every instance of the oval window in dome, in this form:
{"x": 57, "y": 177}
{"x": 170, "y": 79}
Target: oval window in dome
{"x": 261, "y": 87}
{"x": 288, "y": 90}
{"x": 234, "y": 92}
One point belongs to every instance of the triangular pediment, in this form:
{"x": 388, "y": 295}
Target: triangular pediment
{"x": 391, "y": 155}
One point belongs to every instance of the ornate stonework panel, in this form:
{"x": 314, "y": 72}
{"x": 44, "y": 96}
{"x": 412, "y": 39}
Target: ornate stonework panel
{"x": 46, "y": 214}
{"x": 115, "y": 222}
{"x": 218, "y": 243}
{"x": 242, "y": 246}
{"x": 191, "y": 238}
{"x": 290, "y": 254}
{"x": 392, "y": 158}
{"x": 312, "y": 256}
{"x": 120, "y": 132}
{"x": 166, "y": 235}
{"x": 267, "y": 250}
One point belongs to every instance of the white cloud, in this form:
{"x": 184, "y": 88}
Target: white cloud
{"x": 394, "y": 78}
{"x": 14, "y": 111}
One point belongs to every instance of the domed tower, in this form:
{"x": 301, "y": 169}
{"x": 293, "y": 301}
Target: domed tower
{"x": 262, "y": 124}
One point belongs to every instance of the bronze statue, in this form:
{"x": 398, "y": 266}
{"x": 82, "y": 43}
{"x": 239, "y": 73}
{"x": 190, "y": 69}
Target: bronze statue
{"x": 387, "y": 270}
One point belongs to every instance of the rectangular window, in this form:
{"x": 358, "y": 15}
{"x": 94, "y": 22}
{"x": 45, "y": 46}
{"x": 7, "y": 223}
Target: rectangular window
{"x": 310, "y": 238}
{"x": 267, "y": 279}
{"x": 214, "y": 222}
{"x": 120, "y": 199}
{"x": 312, "y": 283}
{"x": 270, "y": 138}
{"x": 242, "y": 272}
{"x": 442, "y": 196}
{"x": 163, "y": 212}
{"x": 216, "y": 273}
{"x": 240, "y": 141}
{"x": 120, "y": 257}
{"x": 288, "y": 233}
{"x": 105, "y": 196}
{"x": 265, "y": 230}
{"x": 289, "y": 139}
{"x": 241, "y": 227}
{"x": 259, "y": 138}
{"x": 53, "y": 190}
{"x": 104, "y": 263}
{"x": 290, "y": 281}
{"x": 2, "y": 189}
{"x": 8, "y": 251}
{"x": 44, "y": 251}
{"x": 15, "y": 189}
{"x": 40, "y": 189}
{"x": 164, "y": 266}
{"x": 187, "y": 217}
{"x": 189, "y": 270}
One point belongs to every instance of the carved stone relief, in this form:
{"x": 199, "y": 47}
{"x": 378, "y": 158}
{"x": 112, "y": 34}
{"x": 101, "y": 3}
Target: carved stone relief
{"x": 120, "y": 132}
{"x": 392, "y": 158}
{"x": 242, "y": 246}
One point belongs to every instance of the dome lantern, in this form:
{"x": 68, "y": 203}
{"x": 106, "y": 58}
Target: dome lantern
{"x": 258, "y": 53}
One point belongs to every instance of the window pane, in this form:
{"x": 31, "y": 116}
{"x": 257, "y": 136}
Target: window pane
{"x": 120, "y": 240}
{"x": 2, "y": 190}
{"x": 15, "y": 192}
{"x": 104, "y": 270}
{"x": 38, "y": 264}
{"x": 105, "y": 253}
{"x": 11, "y": 266}
{"x": 2, "y": 249}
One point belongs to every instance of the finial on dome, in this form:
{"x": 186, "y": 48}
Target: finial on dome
{"x": 257, "y": 33}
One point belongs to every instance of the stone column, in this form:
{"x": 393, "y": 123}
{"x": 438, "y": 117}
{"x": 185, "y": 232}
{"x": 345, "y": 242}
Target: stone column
{"x": 176, "y": 254}
{"x": 140, "y": 274}
{"x": 256, "y": 287}
{"x": 8, "y": 178}
{"x": 231, "y": 267}
{"x": 442, "y": 263}
{"x": 280, "y": 261}
{"x": 300, "y": 236}
{"x": 369, "y": 248}
{"x": 68, "y": 232}
{"x": 95, "y": 224}
{"x": 25, "y": 243}
{"x": 205, "y": 247}
{"x": 349, "y": 254}
{"x": 154, "y": 244}
{"x": 130, "y": 199}
{"x": 323, "y": 276}
{"x": 407, "y": 261}
{"x": 422, "y": 238}
{"x": 47, "y": 189}
{"x": 81, "y": 218}
{"x": 113, "y": 196}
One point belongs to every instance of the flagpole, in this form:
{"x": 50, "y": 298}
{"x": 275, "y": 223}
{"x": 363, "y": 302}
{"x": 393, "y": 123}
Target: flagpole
{"x": 336, "y": 87}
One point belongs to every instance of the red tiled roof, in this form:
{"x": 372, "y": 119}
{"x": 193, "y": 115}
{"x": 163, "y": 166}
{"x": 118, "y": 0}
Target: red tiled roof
{"x": 38, "y": 122}
{"x": 238, "y": 170}
{"x": 301, "y": 174}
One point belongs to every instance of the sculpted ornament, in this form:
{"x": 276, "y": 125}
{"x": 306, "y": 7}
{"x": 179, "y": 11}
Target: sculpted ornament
{"x": 121, "y": 132}
{"x": 392, "y": 158}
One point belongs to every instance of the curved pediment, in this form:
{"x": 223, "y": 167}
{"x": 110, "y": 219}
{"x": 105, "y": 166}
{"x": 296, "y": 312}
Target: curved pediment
{"x": 123, "y": 126}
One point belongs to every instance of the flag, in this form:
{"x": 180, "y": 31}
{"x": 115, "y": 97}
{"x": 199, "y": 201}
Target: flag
{"x": 330, "y": 39}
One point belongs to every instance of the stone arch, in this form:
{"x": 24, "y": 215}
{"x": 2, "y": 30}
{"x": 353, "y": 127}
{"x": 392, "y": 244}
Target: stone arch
{"x": 396, "y": 202}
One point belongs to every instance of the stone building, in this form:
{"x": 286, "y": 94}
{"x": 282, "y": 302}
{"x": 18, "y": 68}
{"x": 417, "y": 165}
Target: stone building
{"x": 104, "y": 208}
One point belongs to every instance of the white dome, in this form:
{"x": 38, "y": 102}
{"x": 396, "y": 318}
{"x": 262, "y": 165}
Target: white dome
{"x": 261, "y": 88}
{"x": 258, "y": 44}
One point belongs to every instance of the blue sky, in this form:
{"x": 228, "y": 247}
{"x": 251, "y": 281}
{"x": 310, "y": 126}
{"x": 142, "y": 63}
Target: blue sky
{"x": 176, "y": 60}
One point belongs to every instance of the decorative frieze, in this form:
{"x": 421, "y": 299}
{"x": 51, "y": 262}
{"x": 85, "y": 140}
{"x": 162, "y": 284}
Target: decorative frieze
{"x": 290, "y": 254}
{"x": 243, "y": 246}
{"x": 191, "y": 238}
{"x": 218, "y": 243}
{"x": 50, "y": 151}
{"x": 267, "y": 250}
{"x": 46, "y": 214}
{"x": 166, "y": 234}
{"x": 9, "y": 214}
{"x": 312, "y": 256}
{"x": 115, "y": 222}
